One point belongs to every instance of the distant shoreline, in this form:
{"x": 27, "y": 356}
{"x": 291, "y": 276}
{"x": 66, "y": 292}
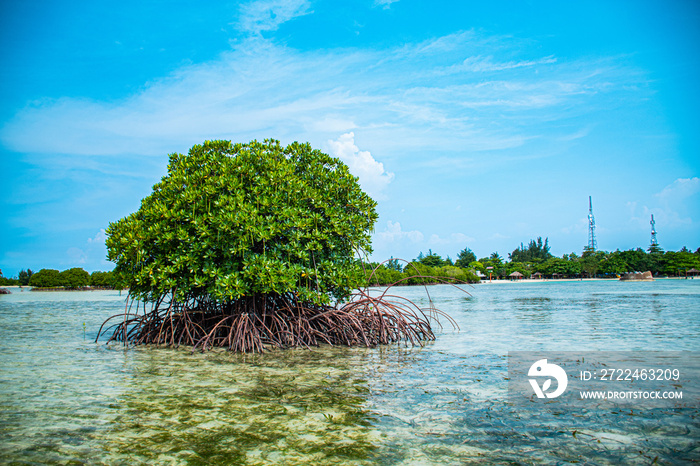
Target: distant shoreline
{"x": 550, "y": 280}
{"x": 33, "y": 288}
{"x": 12, "y": 288}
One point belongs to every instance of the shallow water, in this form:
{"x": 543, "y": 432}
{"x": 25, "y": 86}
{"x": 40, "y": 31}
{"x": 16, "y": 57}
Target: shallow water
{"x": 67, "y": 400}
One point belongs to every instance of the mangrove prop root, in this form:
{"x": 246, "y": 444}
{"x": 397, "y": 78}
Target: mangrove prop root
{"x": 259, "y": 322}
{"x": 254, "y": 324}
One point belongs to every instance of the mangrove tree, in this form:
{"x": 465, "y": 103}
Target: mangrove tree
{"x": 251, "y": 246}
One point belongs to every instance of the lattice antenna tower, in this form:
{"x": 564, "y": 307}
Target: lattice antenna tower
{"x": 654, "y": 241}
{"x": 592, "y": 245}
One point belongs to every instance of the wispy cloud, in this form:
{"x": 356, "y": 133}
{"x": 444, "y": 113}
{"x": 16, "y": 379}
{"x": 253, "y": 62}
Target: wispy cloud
{"x": 454, "y": 240}
{"x": 672, "y": 207}
{"x": 386, "y": 4}
{"x": 394, "y": 240}
{"x": 400, "y": 99}
{"x": 267, "y": 15}
{"x": 93, "y": 251}
{"x": 679, "y": 189}
{"x": 480, "y": 64}
{"x": 393, "y": 233}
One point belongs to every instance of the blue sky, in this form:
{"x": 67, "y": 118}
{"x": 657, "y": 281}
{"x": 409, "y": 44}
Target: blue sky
{"x": 473, "y": 124}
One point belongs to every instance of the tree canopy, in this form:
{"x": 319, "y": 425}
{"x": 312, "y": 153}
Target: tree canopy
{"x": 432, "y": 259}
{"x": 75, "y": 278}
{"x": 536, "y": 250}
{"x": 466, "y": 256}
{"x": 46, "y": 278}
{"x": 234, "y": 220}
{"x": 245, "y": 246}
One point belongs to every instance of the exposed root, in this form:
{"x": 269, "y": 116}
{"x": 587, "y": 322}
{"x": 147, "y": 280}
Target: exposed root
{"x": 254, "y": 324}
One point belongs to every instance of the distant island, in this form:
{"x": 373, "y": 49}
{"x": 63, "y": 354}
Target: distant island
{"x": 50, "y": 279}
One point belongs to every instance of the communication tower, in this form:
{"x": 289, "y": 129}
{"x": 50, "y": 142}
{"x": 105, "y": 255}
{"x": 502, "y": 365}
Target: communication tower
{"x": 592, "y": 245}
{"x": 654, "y": 242}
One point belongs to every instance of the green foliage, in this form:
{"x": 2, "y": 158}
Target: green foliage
{"x": 465, "y": 258}
{"x": 432, "y": 259}
{"x": 536, "y": 251}
{"x": 636, "y": 259}
{"x": 611, "y": 264}
{"x": 382, "y": 275}
{"x": 46, "y": 278}
{"x": 236, "y": 220}
{"x": 7, "y": 281}
{"x": 523, "y": 268}
{"x": 102, "y": 280}
{"x": 655, "y": 249}
{"x": 24, "y": 276}
{"x": 493, "y": 265}
{"x": 4, "y": 281}
{"x": 417, "y": 273}
{"x": 678, "y": 263}
{"x": 393, "y": 264}
{"x": 74, "y": 278}
{"x": 590, "y": 261}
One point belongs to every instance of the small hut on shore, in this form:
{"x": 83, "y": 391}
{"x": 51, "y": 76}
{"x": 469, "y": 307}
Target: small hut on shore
{"x": 556, "y": 276}
{"x": 692, "y": 272}
{"x": 537, "y": 276}
{"x": 515, "y": 275}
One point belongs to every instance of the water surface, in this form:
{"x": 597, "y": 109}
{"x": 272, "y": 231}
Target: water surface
{"x": 67, "y": 400}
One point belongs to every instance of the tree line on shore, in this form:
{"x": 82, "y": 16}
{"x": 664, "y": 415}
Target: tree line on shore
{"x": 432, "y": 268}
{"x": 535, "y": 258}
{"x": 425, "y": 270}
{"x": 72, "y": 279}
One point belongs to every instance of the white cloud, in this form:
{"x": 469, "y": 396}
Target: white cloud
{"x": 76, "y": 256}
{"x": 455, "y": 239}
{"x": 99, "y": 238}
{"x": 401, "y": 100}
{"x": 331, "y": 124}
{"x": 680, "y": 189}
{"x": 581, "y": 133}
{"x": 394, "y": 233}
{"x": 479, "y": 64}
{"x": 665, "y": 217}
{"x": 267, "y": 15}
{"x": 373, "y": 178}
{"x": 386, "y": 4}
{"x": 394, "y": 241}
{"x": 673, "y": 207}
{"x": 581, "y": 226}
{"x": 92, "y": 254}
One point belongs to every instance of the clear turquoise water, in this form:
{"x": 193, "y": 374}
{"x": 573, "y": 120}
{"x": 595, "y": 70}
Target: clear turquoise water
{"x": 67, "y": 400}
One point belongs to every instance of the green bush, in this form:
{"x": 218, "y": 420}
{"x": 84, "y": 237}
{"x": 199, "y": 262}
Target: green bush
{"x": 46, "y": 278}
{"x": 417, "y": 273}
{"x": 74, "y": 278}
{"x": 102, "y": 279}
{"x": 230, "y": 221}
